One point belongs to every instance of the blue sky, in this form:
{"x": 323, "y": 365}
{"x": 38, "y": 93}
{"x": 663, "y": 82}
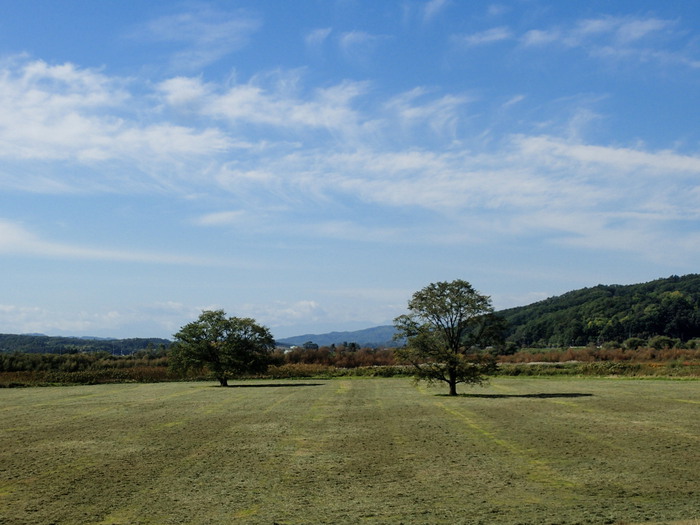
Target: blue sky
{"x": 311, "y": 164}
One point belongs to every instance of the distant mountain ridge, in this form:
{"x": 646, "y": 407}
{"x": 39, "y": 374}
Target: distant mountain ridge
{"x": 369, "y": 337}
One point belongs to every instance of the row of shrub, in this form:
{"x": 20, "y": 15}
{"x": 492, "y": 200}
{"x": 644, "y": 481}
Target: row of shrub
{"x": 592, "y": 354}
{"x": 136, "y": 374}
{"x": 673, "y": 369}
{"x": 156, "y": 374}
{"x": 339, "y": 357}
{"x": 311, "y": 371}
{"x": 300, "y": 370}
{"x": 76, "y": 362}
{"x": 19, "y": 369}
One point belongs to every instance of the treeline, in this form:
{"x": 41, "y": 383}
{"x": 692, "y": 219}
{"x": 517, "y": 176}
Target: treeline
{"x": 348, "y": 356}
{"x": 75, "y": 362}
{"x": 152, "y": 365}
{"x": 24, "y": 369}
{"x": 44, "y": 344}
{"x": 341, "y": 357}
{"x": 610, "y": 313}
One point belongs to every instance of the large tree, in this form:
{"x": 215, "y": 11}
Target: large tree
{"x": 226, "y": 346}
{"x": 446, "y": 329}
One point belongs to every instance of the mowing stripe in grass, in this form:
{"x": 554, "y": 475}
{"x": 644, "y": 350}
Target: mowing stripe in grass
{"x": 352, "y": 451}
{"x": 686, "y": 401}
{"x": 536, "y": 469}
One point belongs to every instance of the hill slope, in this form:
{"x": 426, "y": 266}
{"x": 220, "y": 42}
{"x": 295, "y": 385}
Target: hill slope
{"x": 39, "y": 343}
{"x": 669, "y": 307}
{"x": 372, "y": 337}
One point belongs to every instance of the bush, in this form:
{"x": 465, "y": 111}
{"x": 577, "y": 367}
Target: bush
{"x": 633, "y": 343}
{"x": 661, "y": 342}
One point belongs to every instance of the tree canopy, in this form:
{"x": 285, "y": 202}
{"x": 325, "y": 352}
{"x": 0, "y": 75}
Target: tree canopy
{"x": 447, "y": 325}
{"x": 226, "y": 346}
{"x": 665, "y": 307}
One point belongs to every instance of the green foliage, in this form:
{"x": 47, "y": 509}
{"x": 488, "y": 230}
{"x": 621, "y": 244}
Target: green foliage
{"x": 447, "y": 325}
{"x": 633, "y": 343}
{"x": 661, "y": 342}
{"x": 25, "y": 369}
{"x": 225, "y": 346}
{"x": 682, "y": 370}
{"x": 43, "y": 344}
{"x": 668, "y": 307}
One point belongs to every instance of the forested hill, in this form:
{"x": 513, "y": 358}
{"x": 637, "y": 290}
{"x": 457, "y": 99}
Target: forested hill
{"x": 377, "y": 336}
{"x": 669, "y": 307}
{"x": 36, "y": 343}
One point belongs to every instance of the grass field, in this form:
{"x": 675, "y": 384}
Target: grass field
{"x": 524, "y": 451}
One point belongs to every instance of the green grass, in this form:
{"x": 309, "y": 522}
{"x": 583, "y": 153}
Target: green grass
{"x": 524, "y": 451}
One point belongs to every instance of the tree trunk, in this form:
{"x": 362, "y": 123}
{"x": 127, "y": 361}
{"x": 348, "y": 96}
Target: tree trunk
{"x": 223, "y": 381}
{"x": 452, "y": 381}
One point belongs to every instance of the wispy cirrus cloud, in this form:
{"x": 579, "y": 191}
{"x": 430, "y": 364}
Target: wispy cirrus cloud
{"x": 221, "y": 218}
{"x": 620, "y": 37}
{"x": 273, "y": 101}
{"x": 643, "y": 39}
{"x": 578, "y": 193}
{"x": 16, "y": 239}
{"x": 358, "y": 46}
{"x": 316, "y": 38}
{"x": 433, "y": 8}
{"x": 607, "y": 30}
{"x": 489, "y": 36}
{"x": 417, "y": 107}
{"x": 205, "y": 35}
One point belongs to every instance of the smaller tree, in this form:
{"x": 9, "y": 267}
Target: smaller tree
{"x": 448, "y": 325}
{"x": 227, "y": 347}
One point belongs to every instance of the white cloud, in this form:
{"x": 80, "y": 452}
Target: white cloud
{"x": 433, "y": 8}
{"x": 206, "y": 35}
{"x": 497, "y": 9}
{"x": 271, "y": 140}
{"x": 619, "y": 38}
{"x": 489, "y": 36}
{"x": 33, "y": 319}
{"x": 287, "y": 313}
{"x": 441, "y": 115}
{"x": 531, "y": 184}
{"x": 664, "y": 163}
{"x": 160, "y": 319}
{"x": 622, "y": 29}
{"x": 275, "y": 104}
{"x": 536, "y": 37}
{"x": 79, "y": 116}
{"x": 221, "y": 218}
{"x": 517, "y": 99}
{"x": 183, "y": 91}
{"x": 358, "y": 46}
{"x": 314, "y": 39}
{"x": 15, "y": 239}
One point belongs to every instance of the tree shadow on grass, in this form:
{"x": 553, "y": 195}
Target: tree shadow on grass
{"x": 273, "y": 385}
{"x": 534, "y": 396}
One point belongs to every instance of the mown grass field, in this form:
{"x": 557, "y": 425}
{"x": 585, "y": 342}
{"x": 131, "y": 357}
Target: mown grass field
{"x": 524, "y": 451}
